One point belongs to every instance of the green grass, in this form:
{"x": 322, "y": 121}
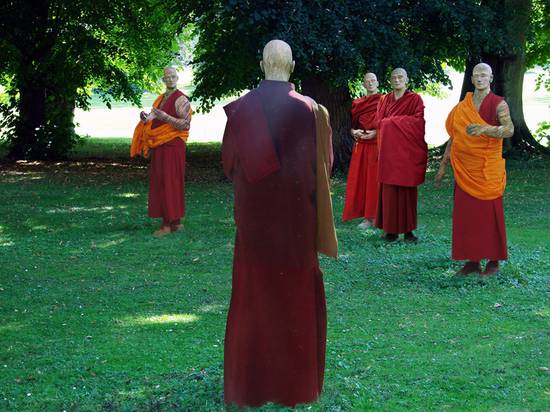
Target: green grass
{"x": 99, "y": 316}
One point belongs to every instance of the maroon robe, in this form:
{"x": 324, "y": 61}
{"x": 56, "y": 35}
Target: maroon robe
{"x": 167, "y": 173}
{"x": 403, "y": 157}
{"x": 479, "y": 231}
{"x": 276, "y": 326}
{"x": 362, "y": 186}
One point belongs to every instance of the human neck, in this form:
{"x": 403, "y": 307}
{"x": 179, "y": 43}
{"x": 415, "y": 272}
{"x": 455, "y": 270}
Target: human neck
{"x": 279, "y": 76}
{"x": 481, "y": 93}
{"x": 170, "y": 90}
{"x": 399, "y": 93}
{"x": 373, "y": 92}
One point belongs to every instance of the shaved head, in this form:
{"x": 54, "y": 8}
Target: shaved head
{"x": 401, "y": 71}
{"x": 277, "y": 60}
{"x": 371, "y": 83}
{"x": 170, "y": 70}
{"x": 399, "y": 79}
{"x": 481, "y": 67}
{"x": 482, "y": 76}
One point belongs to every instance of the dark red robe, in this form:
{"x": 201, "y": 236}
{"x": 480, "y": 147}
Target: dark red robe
{"x": 362, "y": 186}
{"x": 167, "y": 173}
{"x": 402, "y": 161}
{"x": 276, "y": 326}
{"x": 479, "y": 231}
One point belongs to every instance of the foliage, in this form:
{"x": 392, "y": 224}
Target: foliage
{"x": 335, "y": 40}
{"x": 99, "y": 315}
{"x": 54, "y": 52}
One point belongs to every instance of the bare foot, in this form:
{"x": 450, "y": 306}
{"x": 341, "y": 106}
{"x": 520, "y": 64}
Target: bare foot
{"x": 469, "y": 268}
{"x": 176, "y": 228}
{"x": 492, "y": 268}
{"x": 163, "y": 231}
{"x": 365, "y": 224}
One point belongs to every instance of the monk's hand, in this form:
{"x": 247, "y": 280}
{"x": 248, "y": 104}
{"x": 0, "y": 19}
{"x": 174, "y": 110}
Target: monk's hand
{"x": 143, "y": 116}
{"x": 369, "y": 134}
{"x": 475, "y": 129}
{"x": 356, "y": 134}
{"x": 159, "y": 114}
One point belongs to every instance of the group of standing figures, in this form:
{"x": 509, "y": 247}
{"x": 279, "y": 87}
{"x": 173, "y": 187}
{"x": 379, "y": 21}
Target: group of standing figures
{"x": 277, "y": 151}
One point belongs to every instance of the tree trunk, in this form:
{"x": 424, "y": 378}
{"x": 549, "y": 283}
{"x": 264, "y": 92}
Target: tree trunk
{"x": 338, "y": 103}
{"x": 508, "y": 72}
{"x": 31, "y": 121}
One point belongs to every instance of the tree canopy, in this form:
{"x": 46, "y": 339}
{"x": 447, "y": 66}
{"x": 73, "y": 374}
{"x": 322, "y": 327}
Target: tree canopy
{"x": 54, "y": 52}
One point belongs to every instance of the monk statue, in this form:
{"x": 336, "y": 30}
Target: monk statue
{"x": 162, "y": 135}
{"x": 277, "y": 151}
{"x": 362, "y": 186}
{"x": 477, "y": 126}
{"x": 403, "y": 157}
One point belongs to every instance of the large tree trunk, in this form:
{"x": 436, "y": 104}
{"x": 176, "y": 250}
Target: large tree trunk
{"x": 338, "y": 103}
{"x": 31, "y": 121}
{"x": 508, "y": 71}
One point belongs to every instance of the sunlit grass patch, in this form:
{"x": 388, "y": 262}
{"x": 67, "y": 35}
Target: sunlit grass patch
{"x": 161, "y": 319}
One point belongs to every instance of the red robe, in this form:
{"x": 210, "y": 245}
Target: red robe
{"x": 362, "y": 186}
{"x": 276, "y": 326}
{"x": 167, "y": 173}
{"x": 402, "y": 161}
{"x": 479, "y": 231}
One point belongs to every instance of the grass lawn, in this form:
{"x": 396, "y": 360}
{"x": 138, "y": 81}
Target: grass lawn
{"x": 99, "y": 316}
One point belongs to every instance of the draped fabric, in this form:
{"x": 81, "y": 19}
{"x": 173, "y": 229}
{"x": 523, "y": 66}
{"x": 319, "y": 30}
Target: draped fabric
{"x": 478, "y": 166}
{"x": 479, "y": 230}
{"x": 402, "y": 161}
{"x": 403, "y": 154}
{"x": 276, "y": 325}
{"x": 362, "y": 184}
{"x": 155, "y": 133}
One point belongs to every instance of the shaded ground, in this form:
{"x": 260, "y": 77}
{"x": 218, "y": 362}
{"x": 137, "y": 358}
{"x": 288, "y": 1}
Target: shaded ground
{"x": 98, "y": 315}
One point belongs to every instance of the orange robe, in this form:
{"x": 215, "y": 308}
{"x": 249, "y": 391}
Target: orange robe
{"x": 479, "y": 231}
{"x": 362, "y": 185}
{"x": 166, "y": 146}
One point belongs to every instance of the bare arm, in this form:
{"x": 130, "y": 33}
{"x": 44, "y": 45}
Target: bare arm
{"x": 444, "y": 163}
{"x": 504, "y": 131}
{"x": 183, "y": 112}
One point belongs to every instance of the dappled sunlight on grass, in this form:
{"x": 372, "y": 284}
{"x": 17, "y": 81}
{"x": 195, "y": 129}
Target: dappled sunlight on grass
{"x": 128, "y": 195}
{"x": 85, "y": 209}
{"x": 161, "y": 319}
{"x": 211, "y": 308}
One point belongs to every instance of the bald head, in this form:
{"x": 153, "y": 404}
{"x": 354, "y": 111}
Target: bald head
{"x": 399, "y": 79}
{"x": 482, "y": 76}
{"x": 170, "y": 78}
{"x": 277, "y": 63}
{"x": 371, "y": 83}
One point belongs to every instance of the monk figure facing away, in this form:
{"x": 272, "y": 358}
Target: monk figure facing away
{"x": 162, "y": 135}
{"x": 362, "y": 186}
{"x": 277, "y": 152}
{"x": 403, "y": 157}
{"x": 477, "y": 126}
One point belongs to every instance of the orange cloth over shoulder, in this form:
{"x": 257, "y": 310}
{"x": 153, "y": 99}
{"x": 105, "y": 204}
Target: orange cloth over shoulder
{"x": 146, "y": 138}
{"x": 478, "y": 166}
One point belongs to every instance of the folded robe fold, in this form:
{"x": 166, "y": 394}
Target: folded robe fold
{"x": 362, "y": 183}
{"x": 478, "y": 166}
{"x": 147, "y": 137}
{"x": 403, "y": 153}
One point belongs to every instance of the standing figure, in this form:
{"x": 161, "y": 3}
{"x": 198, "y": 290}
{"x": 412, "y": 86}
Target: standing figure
{"x": 477, "y": 126}
{"x": 403, "y": 157}
{"x": 162, "y": 135}
{"x": 277, "y": 151}
{"x": 362, "y": 186}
